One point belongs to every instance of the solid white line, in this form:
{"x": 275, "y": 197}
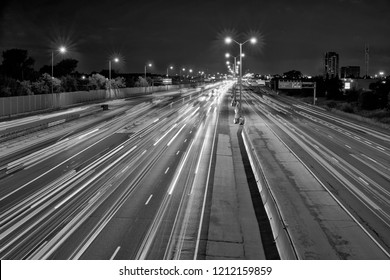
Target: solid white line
{"x": 361, "y": 179}
{"x": 380, "y": 148}
{"x": 165, "y": 135}
{"x": 174, "y": 137}
{"x": 150, "y": 197}
{"x": 82, "y": 136}
{"x": 116, "y": 252}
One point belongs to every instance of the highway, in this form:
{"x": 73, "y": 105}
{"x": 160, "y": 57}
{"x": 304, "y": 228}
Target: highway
{"x": 129, "y": 187}
{"x": 351, "y": 160}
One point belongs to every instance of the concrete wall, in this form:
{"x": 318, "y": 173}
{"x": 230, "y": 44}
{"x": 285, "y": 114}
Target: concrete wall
{"x": 23, "y": 104}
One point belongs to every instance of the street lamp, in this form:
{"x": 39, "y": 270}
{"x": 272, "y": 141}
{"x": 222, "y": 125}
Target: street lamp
{"x": 170, "y": 67}
{"x": 181, "y": 69}
{"x": 109, "y": 73}
{"x": 150, "y": 65}
{"x": 228, "y": 40}
{"x": 61, "y": 49}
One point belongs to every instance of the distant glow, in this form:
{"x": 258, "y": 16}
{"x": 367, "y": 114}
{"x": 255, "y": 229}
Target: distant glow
{"x": 253, "y": 40}
{"x": 228, "y": 40}
{"x": 227, "y": 55}
{"x": 83, "y": 77}
{"x": 243, "y": 55}
{"x": 183, "y": 69}
{"x": 190, "y": 70}
{"x": 150, "y": 64}
{"x": 171, "y": 67}
{"x": 227, "y": 62}
{"x": 381, "y": 73}
{"x": 347, "y": 85}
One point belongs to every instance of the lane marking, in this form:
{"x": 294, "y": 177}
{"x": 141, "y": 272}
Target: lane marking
{"x": 115, "y": 252}
{"x": 166, "y": 171}
{"x": 361, "y": 179}
{"x": 147, "y": 201}
{"x": 174, "y": 137}
{"x": 348, "y": 147}
{"x": 178, "y": 152}
{"x": 380, "y": 148}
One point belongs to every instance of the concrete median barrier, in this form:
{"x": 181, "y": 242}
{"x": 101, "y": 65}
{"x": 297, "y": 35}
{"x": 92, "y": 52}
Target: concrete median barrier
{"x": 279, "y": 228}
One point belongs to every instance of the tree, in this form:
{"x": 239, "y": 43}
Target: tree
{"x": 17, "y": 64}
{"x": 368, "y": 100}
{"x": 292, "y": 75}
{"x": 382, "y": 90}
{"x": 63, "y": 68}
{"x": 119, "y": 82}
{"x": 141, "y": 82}
{"x": 333, "y": 88}
{"x": 69, "y": 83}
{"x": 96, "y": 81}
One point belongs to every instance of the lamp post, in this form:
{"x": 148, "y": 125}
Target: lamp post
{"x": 170, "y": 67}
{"x": 150, "y": 65}
{"x": 181, "y": 69}
{"x": 228, "y": 40}
{"x": 109, "y": 73}
{"x": 62, "y": 49}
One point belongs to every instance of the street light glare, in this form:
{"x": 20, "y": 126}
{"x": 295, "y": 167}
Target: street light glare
{"x": 227, "y": 55}
{"x": 150, "y": 64}
{"x": 62, "y": 49}
{"x": 253, "y": 40}
{"x": 116, "y": 59}
{"x": 228, "y": 40}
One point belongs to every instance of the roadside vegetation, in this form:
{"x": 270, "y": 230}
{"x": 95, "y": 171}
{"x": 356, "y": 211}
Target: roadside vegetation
{"x": 18, "y": 77}
{"x": 371, "y": 106}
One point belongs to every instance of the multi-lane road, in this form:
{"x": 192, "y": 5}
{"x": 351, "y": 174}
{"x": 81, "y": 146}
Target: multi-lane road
{"x": 350, "y": 159}
{"x": 119, "y": 189}
{"x": 134, "y": 184}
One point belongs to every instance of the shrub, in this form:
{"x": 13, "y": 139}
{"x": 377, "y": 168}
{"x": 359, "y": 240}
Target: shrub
{"x": 347, "y": 107}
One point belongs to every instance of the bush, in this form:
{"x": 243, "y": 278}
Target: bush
{"x": 346, "y": 107}
{"x": 331, "y": 104}
{"x": 368, "y": 100}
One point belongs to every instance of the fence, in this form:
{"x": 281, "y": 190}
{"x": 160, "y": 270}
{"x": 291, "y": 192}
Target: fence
{"x": 29, "y": 103}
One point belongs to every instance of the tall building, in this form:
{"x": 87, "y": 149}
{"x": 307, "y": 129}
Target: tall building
{"x": 331, "y": 64}
{"x": 350, "y": 72}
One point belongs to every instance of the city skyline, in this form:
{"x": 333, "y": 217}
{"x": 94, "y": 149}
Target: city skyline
{"x": 291, "y": 35}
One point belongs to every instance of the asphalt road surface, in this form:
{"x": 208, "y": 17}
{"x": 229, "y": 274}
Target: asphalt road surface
{"x": 117, "y": 189}
{"x": 352, "y": 160}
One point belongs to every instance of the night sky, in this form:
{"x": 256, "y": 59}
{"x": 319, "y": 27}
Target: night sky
{"x": 291, "y": 34}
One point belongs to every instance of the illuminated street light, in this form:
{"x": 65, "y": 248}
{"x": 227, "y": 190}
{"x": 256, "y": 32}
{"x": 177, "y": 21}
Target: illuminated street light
{"x": 170, "y": 67}
{"x": 228, "y": 40}
{"x": 147, "y": 65}
{"x": 109, "y": 72}
{"x": 61, "y": 49}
